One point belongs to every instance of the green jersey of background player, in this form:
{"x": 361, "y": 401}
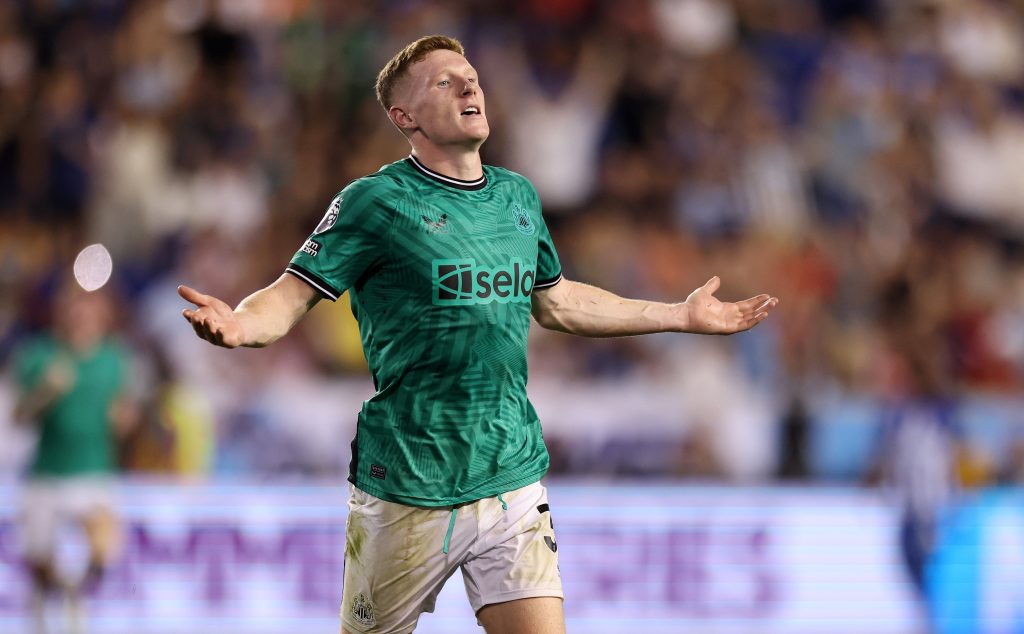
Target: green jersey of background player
{"x": 446, "y": 259}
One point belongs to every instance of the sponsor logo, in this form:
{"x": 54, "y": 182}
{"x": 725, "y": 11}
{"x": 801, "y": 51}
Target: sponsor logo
{"x": 362, "y": 610}
{"x": 437, "y": 226}
{"x": 463, "y": 283}
{"x": 312, "y": 247}
{"x": 521, "y": 218}
{"x": 330, "y": 217}
{"x": 377, "y": 471}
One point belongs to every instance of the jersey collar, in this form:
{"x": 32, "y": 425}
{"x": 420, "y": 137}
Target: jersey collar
{"x": 457, "y": 183}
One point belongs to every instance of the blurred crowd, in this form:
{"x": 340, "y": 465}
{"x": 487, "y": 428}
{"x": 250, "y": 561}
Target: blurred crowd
{"x": 863, "y": 160}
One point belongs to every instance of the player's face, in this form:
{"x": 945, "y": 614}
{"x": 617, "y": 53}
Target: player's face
{"x": 445, "y": 101}
{"x": 82, "y": 318}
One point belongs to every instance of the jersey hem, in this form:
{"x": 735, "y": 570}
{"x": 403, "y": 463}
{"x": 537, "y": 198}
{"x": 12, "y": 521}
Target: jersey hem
{"x": 87, "y": 473}
{"x": 315, "y": 281}
{"x": 511, "y": 485}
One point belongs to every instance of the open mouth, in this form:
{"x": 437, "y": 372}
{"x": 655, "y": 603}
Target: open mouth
{"x": 470, "y": 111}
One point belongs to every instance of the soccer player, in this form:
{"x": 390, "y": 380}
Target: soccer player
{"x": 446, "y": 259}
{"x": 72, "y": 387}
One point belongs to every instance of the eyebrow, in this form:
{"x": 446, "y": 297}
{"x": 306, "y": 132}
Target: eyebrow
{"x": 449, "y": 70}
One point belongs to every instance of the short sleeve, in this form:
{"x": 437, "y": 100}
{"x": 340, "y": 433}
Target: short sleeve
{"x": 549, "y": 269}
{"x": 347, "y": 244}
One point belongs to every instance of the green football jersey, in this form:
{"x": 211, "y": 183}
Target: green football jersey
{"x": 440, "y": 273}
{"x": 75, "y": 437}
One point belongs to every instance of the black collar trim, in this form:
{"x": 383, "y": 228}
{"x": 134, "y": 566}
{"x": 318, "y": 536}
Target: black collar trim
{"x": 457, "y": 183}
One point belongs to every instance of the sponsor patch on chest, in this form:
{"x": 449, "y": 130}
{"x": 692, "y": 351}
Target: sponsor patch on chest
{"x": 464, "y": 282}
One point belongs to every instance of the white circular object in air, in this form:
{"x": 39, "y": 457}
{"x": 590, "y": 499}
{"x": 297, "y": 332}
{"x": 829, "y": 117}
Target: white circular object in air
{"x": 93, "y": 267}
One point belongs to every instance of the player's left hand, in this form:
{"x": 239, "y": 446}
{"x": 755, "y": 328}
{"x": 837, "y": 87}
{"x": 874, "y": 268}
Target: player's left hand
{"x": 212, "y": 319}
{"x": 708, "y": 315}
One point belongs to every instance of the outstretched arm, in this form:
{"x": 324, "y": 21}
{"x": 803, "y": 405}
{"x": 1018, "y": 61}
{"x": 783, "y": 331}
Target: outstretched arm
{"x": 259, "y": 320}
{"x": 589, "y": 311}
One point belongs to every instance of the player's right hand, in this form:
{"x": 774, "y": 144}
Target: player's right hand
{"x": 212, "y": 319}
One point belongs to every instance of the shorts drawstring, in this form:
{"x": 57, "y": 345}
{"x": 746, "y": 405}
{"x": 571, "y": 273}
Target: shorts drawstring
{"x": 451, "y": 523}
{"x": 451, "y": 527}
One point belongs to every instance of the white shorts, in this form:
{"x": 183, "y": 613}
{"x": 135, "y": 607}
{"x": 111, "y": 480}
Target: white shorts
{"x": 49, "y": 503}
{"x": 395, "y": 560}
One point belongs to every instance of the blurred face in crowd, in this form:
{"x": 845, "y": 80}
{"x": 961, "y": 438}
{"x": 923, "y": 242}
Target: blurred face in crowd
{"x": 440, "y": 101}
{"x": 82, "y": 319}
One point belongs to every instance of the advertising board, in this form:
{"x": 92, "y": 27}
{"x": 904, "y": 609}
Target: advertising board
{"x": 651, "y": 558}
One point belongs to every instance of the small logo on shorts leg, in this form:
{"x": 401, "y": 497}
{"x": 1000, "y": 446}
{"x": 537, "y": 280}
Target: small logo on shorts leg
{"x": 362, "y": 610}
{"x": 377, "y": 471}
{"x": 552, "y": 544}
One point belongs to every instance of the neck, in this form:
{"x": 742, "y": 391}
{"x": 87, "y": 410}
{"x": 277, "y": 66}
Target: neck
{"x": 462, "y": 164}
{"x": 82, "y": 345}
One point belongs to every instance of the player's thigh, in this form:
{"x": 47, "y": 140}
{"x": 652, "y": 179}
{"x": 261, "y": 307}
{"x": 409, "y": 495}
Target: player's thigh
{"x": 536, "y": 615}
{"x": 516, "y": 557}
{"x": 394, "y": 564}
{"x": 40, "y": 517}
{"x": 91, "y": 503}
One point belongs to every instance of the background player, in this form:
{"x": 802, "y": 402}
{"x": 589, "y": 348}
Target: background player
{"x": 72, "y": 383}
{"x": 440, "y": 249}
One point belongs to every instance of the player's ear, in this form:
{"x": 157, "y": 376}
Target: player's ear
{"x": 401, "y": 118}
